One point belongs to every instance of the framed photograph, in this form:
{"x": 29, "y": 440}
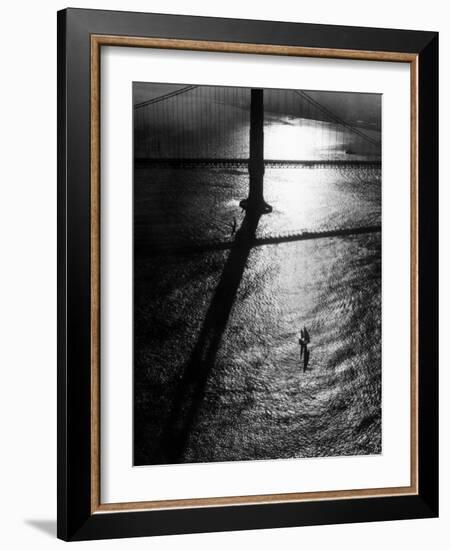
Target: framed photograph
{"x": 247, "y": 254}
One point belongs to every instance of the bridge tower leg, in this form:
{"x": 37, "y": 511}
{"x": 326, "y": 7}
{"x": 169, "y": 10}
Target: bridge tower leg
{"x": 255, "y": 201}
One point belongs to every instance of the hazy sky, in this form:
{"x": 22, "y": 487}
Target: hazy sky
{"x": 363, "y": 110}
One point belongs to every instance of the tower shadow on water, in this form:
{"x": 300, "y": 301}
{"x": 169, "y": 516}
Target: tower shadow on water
{"x": 191, "y": 388}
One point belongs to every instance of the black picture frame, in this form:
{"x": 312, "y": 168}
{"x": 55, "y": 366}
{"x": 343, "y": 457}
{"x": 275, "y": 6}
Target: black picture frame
{"x": 76, "y": 520}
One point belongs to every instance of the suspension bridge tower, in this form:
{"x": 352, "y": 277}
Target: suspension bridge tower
{"x": 255, "y": 202}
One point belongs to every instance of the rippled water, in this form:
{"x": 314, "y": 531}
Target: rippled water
{"x": 190, "y": 206}
{"x": 250, "y": 399}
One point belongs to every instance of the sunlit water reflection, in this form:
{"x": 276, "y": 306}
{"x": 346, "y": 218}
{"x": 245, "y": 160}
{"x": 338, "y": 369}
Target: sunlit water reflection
{"x": 179, "y": 207}
{"x": 257, "y": 402}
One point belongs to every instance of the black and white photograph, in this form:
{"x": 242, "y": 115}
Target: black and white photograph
{"x": 257, "y": 273}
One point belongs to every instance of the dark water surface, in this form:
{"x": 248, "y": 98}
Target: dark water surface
{"x": 217, "y": 369}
